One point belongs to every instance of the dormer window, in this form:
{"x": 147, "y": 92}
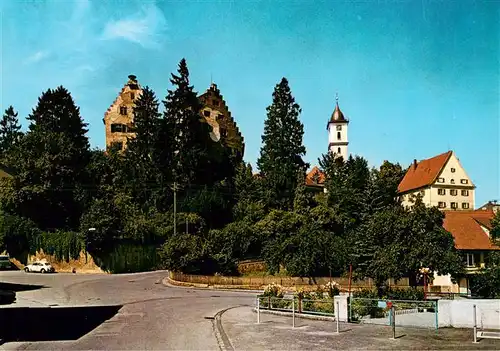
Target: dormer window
{"x": 464, "y": 181}
{"x": 453, "y": 170}
{"x": 123, "y": 110}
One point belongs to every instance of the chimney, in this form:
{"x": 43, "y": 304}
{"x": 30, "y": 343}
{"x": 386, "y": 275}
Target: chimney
{"x": 415, "y": 163}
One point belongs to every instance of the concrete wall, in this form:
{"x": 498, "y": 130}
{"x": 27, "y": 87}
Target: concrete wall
{"x": 459, "y": 313}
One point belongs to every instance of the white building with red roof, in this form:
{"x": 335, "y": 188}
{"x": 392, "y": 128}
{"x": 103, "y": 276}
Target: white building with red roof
{"x": 441, "y": 181}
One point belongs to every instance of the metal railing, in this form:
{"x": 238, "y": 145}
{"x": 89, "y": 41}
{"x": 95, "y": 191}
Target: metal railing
{"x": 324, "y": 307}
{"x": 410, "y": 313}
{"x": 297, "y": 306}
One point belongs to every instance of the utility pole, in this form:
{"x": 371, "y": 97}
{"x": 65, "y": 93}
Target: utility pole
{"x": 175, "y": 208}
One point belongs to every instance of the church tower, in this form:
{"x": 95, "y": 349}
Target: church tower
{"x": 337, "y": 132}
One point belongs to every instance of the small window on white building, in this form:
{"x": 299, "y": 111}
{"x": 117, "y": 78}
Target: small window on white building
{"x": 464, "y": 181}
{"x": 440, "y": 180}
{"x": 339, "y": 127}
{"x": 454, "y": 205}
{"x": 338, "y": 136}
{"x": 452, "y": 181}
{"x": 338, "y": 150}
{"x": 465, "y": 205}
{"x": 441, "y": 191}
{"x": 441, "y": 204}
{"x": 453, "y": 170}
{"x": 453, "y": 192}
{"x": 465, "y": 192}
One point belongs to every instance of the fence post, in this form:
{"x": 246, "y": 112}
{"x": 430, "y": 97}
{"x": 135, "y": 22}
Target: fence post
{"x": 393, "y": 321}
{"x": 436, "y": 315}
{"x": 293, "y": 312}
{"x": 269, "y": 303}
{"x": 475, "y": 324}
{"x": 337, "y": 317}
{"x": 258, "y": 309}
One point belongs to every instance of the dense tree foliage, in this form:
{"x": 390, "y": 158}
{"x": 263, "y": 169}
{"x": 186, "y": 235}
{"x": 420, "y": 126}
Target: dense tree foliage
{"x": 281, "y": 154}
{"x": 10, "y": 132}
{"x": 64, "y": 197}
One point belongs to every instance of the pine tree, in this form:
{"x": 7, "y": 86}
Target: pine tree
{"x": 51, "y": 163}
{"x": 190, "y": 134}
{"x": 142, "y": 153}
{"x": 10, "y": 131}
{"x": 146, "y": 125}
{"x": 281, "y": 155}
{"x": 302, "y": 200}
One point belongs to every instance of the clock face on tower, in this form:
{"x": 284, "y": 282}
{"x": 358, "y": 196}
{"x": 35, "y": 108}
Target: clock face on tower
{"x": 339, "y": 127}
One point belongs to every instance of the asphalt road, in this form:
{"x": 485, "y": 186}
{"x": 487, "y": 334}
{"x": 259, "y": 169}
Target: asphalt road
{"x": 153, "y": 316}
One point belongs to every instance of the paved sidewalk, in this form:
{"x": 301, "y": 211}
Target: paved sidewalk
{"x": 276, "y": 333}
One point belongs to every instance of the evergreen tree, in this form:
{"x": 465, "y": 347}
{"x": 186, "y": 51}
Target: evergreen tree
{"x": 281, "y": 155}
{"x": 302, "y": 199}
{"x": 142, "y": 153}
{"x": 10, "y": 131}
{"x": 190, "y": 134}
{"x": 51, "y": 163}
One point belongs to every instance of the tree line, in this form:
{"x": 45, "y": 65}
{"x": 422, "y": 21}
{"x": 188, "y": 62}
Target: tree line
{"x": 225, "y": 213}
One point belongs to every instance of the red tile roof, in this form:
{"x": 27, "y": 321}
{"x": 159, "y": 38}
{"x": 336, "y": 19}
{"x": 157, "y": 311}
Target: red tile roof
{"x": 465, "y": 226}
{"x": 423, "y": 173}
{"x": 315, "y": 177}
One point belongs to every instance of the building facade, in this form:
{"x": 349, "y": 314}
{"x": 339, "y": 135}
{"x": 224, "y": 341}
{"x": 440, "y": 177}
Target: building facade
{"x": 492, "y": 205}
{"x": 441, "y": 181}
{"x": 471, "y": 232}
{"x": 119, "y": 118}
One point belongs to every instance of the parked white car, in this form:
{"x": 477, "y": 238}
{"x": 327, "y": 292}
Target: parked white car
{"x": 39, "y": 267}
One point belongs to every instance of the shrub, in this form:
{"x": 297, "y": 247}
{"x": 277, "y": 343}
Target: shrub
{"x": 332, "y": 288}
{"x": 274, "y": 290}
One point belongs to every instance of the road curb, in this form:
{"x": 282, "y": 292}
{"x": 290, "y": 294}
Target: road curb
{"x": 221, "y": 336}
{"x": 167, "y": 281}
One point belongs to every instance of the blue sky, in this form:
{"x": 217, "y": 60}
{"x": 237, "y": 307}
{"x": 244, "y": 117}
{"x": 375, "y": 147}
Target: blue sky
{"x": 416, "y": 78}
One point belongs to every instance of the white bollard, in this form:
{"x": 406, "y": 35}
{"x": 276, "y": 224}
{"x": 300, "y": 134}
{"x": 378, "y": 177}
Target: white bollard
{"x": 475, "y": 324}
{"x": 337, "y": 317}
